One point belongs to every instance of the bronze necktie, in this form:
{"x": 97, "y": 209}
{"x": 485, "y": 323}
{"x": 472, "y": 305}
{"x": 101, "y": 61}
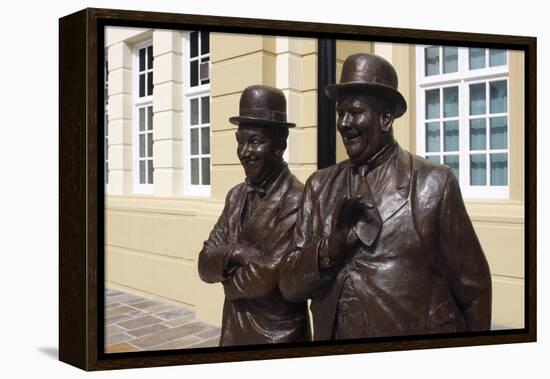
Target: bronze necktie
{"x": 369, "y": 223}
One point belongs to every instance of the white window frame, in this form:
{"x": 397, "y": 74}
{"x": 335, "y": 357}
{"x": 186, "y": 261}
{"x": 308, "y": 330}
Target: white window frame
{"x": 106, "y": 121}
{"x": 140, "y": 102}
{"x": 462, "y": 78}
{"x": 189, "y": 93}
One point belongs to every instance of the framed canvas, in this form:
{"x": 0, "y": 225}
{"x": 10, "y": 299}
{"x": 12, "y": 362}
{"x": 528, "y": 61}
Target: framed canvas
{"x": 147, "y": 156}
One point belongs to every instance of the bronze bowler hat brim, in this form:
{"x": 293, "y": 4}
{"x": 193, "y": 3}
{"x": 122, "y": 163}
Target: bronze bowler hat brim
{"x": 369, "y": 74}
{"x": 262, "y": 106}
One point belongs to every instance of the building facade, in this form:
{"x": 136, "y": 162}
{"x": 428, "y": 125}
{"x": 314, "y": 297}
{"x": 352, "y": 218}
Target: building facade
{"x": 171, "y": 151}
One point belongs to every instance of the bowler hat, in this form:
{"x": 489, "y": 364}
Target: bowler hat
{"x": 262, "y": 106}
{"x": 369, "y": 74}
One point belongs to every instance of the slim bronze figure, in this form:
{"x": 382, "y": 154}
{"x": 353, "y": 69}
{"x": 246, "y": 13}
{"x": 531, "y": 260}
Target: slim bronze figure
{"x": 383, "y": 244}
{"x": 246, "y": 246}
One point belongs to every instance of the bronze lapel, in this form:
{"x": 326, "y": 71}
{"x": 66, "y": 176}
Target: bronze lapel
{"x": 396, "y": 192}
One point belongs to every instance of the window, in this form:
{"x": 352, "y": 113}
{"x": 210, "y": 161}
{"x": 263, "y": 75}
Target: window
{"x": 106, "y": 119}
{"x": 143, "y": 118}
{"x": 197, "y": 113}
{"x": 462, "y": 115}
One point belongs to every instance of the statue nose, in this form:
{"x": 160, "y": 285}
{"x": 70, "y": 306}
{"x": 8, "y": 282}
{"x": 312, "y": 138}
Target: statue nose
{"x": 244, "y": 150}
{"x": 344, "y": 122}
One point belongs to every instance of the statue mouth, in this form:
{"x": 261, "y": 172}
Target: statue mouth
{"x": 249, "y": 162}
{"x": 351, "y": 139}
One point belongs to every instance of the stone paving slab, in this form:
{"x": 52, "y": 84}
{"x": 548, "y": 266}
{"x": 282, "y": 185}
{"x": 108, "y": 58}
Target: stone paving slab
{"x": 117, "y": 338}
{"x": 210, "y": 333}
{"x": 212, "y": 342}
{"x": 181, "y": 321}
{"x": 120, "y": 348}
{"x": 135, "y": 323}
{"x": 118, "y": 318}
{"x": 146, "y": 304}
{"x": 179, "y": 343}
{"x": 139, "y": 322}
{"x": 113, "y": 329}
{"x": 147, "y": 330}
{"x": 168, "y": 335}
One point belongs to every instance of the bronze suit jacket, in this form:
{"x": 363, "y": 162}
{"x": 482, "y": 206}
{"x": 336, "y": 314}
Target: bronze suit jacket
{"x": 421, "y": 269}
{"x": 254, "y": 310}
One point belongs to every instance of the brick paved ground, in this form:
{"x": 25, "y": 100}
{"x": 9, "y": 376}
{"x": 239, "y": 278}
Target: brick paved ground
{"x": 134, "y": 323}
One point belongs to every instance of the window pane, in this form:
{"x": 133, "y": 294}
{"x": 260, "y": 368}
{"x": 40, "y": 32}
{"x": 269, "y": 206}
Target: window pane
{"x": 195, "y": 171}
{"x": 205, "y": 140}
{"x": 450, "y": 102}
{"x": 194, "y": 111}
{"x": 499, "y": 132}
{"x": 205, "y": 110}
{"x": 142, "y": 59}
{"x": 477, "y": 98}
{"x": 150, "y": 57}
{"x": 150, "y": 145}
{"x": 499, "y": 97}
{"x": 450, "y": 59}
{"x": 141, "y": 119}
{"x": 141, "y": 172}
{"x": 499, "y": 169}
{"x": 497, "y": 57}
{"x": 432, "y": 104}
{"x": 195, "y": 141}
{"x": 433, "y": 158}
{"x": 452, "y": 162}
{"x": 203, "y": 72}
{"x": 194, "y": 44}
{"x": 432, "y": 136}
{"x": 205, "y": 169}
{"x": 149, "y": 84}
{"x": 432, "y": 60}
{"x": 450, "y": 132}
{"x": 477, "y": 58}
{"x": 149, "y": 118}
{"x": 141, "y": 85}
{"x": 150, "y": 171}
{"x": 205, "y": 42}
{"x": 478, "y": 170}
{"x": 478, "y": 134}
{"x": 194, "y": 73}
{"x": 142, "y": 145}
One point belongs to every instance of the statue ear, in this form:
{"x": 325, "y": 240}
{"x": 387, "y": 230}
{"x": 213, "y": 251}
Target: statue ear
{"x": 280, "y": 147}
{"x": 386, "y": 119}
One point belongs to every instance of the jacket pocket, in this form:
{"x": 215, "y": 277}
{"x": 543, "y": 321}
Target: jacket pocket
{"x": 444, "y": 316}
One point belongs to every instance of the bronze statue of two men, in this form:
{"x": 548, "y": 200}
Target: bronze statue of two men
{"x": 381, "y": 243}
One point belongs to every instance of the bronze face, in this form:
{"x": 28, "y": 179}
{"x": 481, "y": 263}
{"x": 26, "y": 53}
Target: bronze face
{"x": 259, "y": 151}
{"x": 364, "y": 125}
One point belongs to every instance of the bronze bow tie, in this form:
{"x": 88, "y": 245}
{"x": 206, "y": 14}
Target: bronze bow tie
{"x": 257, "y": 190}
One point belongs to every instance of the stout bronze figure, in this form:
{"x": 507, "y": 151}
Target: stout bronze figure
{"x": 246, "y": 246}
{"x": 383, "y": 244}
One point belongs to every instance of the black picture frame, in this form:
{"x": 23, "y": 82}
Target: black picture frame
{"x": 81, "y": 184}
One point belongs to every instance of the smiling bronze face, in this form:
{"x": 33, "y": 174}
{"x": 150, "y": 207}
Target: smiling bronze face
{"x": 260, "y": 151}
{"x": 364, "y": 124}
